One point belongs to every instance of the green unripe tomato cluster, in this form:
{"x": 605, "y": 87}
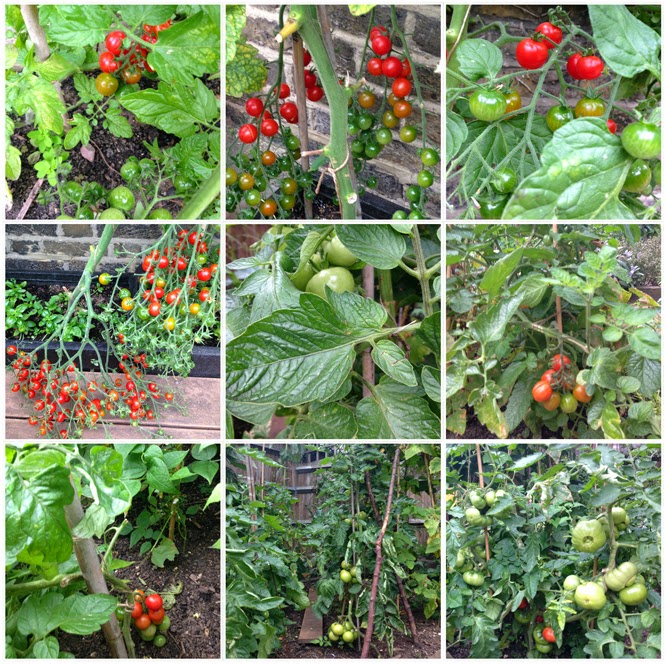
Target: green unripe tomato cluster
{"x": 338, "y": 254}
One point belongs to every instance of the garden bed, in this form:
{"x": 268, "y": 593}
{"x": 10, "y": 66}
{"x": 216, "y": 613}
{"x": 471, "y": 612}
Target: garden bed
{"x": 45, "y": 284}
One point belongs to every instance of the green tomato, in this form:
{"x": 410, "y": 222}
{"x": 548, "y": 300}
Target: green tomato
{"x": 130, "y": 169}
{"x": 85, "y": 213}
{"x": 590, "y": 596}
{"x": 619, "y": 514}
{"x": 623, "y": 575}
{"x": 121, "y": 198}
{"x": 638, "y": 177}
{"x": 112, "y": 213}
{"x": 588, "y": 536}
{"x": 365, "y": 121}
{"x": 64, "y": 216}
{"x": 656, "y": 173}
{"x": 143, "y": 314}
{"x": 413, "y": 193}
{"x": 492, "y": 208}
{"x": 504, "y": 181}
{"x": 568, "y": 403}
{"x": 148, "y": 634}
{"x": 159, "y": 641}
{"x": 544, "y": 648}
{"x": 348, "y": 637}
{"x": 490, "y": 498}
{"x": 181, "y": 184}
{"x": 634, "y": 594}
{"x": 72, "y": 191}
{"x": 571, "y": 582}
{"x": 383, "y": 136}
{"x": 332, "y": 636}
{"x": 345, "y": 576}
{"x": 399, "y": 214}
{"x": 424, "y": 179}
{"x": 165, "y": 624}
{"x": 337, "y": 629}
{"x": 301, "y": 280}
{"x": 160, "y": 213}
{"x": 460, "y": 559}
{"x": 120, "y": 613}
{"x": 487, "y": 105}
{"x": 338, "y": 254}
{"x": 477, "y": 500}
{"x": 473, "y": 579}
{"x": 538, "y": 636}
{"x": 642, "y": 140}
{"x": 523, "y": 617}
{"x": 338, "y": 279}
{"x": 558, "y": 116}
{"x": 429, "y": 157}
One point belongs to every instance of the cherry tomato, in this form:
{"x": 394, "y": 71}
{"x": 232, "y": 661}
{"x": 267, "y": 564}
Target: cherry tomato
{"x": 642, "y": 140}
{"x": 127, "y": 304}
{"x": 269, "y": 127}
{"x": 559, "y": 360}
{"x": 254, "y": 106}
{"x": 408, "y": 134}
{"x": 572, "y": 65}
{"x": 106, "y": 84}
{"x": 310, "y": 78}
{"x": 504, "y": 180}
{"x": 154, "y": 309}
{"x": 268, "y": 208}
{"x": 513, "y": 101}
{"x": 558, "y": 116}
{"x": 143, "y": 621}
{"x": 131, "y": 76}
{"x": 11, "y": 350}
{"x": 284, "y": 91}
{"x": 104, "y": 279}
{"x": 486, "y": 105}
{"x": 531, "y": 54}
{"x": 114, "y": 41}
{"x": 553, "y": 402}
{"x": 542, "y": 391}
{"x": 248, "y": 133}
{"x": 552, "y": 34}
{"x": 381, "y": 45}
{"x": 492, "y": 208}
{"x": 289, "y": 112}
{"x": 589, "y": 67}
{"x": 107, "y": 62}
{"x": 375, "y": 66}
{"x": 392, "y": 67}
{"x": 137, "y": 611}
{"x": 429, "y": 157}
{"x": 406, "y": 68}
{"x": 156, "y": 616}
{"x": 637, "y": 179}
{"x": 390, "y": 119}
{"x": 314, "y": 93}
{"x": 403, "y": 109}
{"x": 401, "y": 87}
{"x": 366, "y": 99}
{"x": 580, "y": 393}
{"x": 568, "y": 403}
{"x": 586, "y": 108}
{"x": 307, "y": 58}
{"x": 612, "y": 127}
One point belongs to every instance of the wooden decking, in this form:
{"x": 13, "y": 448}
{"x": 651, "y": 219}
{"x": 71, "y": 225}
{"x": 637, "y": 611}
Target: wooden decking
{"x": 201, "y": 420}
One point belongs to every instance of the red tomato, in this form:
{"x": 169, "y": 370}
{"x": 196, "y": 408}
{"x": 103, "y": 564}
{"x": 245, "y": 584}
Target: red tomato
{"x": 542, "y": 391}
{"x": 269, "y": 127}
{"x": 401, "y": 87}
{"x": 552, "y": 34}
{"x": 406, "y": 68}
{"x": 114, "y": 41}
{"x": 138, "y": 610}
{"x": 142, "y": 622}
{"x": 310, "y": 79}
{"x": 153, "y": 602}
{"x": 315, "y": 93}
{"x": 523, "y": 604}
{"x": 378, "y": 31}
{"x": 531, "y": 54}
{"x": 581, "y": 394}
{"x": 375, "y": 66}
{"x": 307, "y": 58}
{"x": 289, "y": 112}
{"x": 248, "y": 133}
{"x": 392, "y": 67}
{"x": 381, "y": 45}
{"x": 539, "y": 619}
{"x": 284, "y": 91}
{"x": 590, "y": 67}
{"x": 156, "y": 617}
{"x": 107, "y": 62}
{"x": 572, "y": 65}
{"x": 612, "y": 127}
{"x": 549, "y": 376}
{"x": 556, "y": 363}
{"x": 549, "y": 634}
{"x": 254, "y": 106}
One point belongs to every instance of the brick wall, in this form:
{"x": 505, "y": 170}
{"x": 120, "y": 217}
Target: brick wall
{"x": 66, "y": 247}
{"x": 397, "y": 165}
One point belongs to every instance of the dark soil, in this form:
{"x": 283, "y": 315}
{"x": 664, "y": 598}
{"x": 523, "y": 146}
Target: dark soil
{"x": 104, "y": 156}
{"x": 195, "y": 617}
{"x": 427, "y": 645}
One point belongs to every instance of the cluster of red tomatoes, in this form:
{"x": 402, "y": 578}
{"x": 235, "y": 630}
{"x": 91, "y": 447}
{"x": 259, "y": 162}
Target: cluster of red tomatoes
{"x": 560, "y": 377}
{"x": 63, "y": 395}
{"x": 129, "y": 61}
{"x": 150, "y": 617}
{"x": 532, "y": 53}
{"x": 248, "y": 133}
{"x": 157, "y": 267}
{"x": 391, "y": 67}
